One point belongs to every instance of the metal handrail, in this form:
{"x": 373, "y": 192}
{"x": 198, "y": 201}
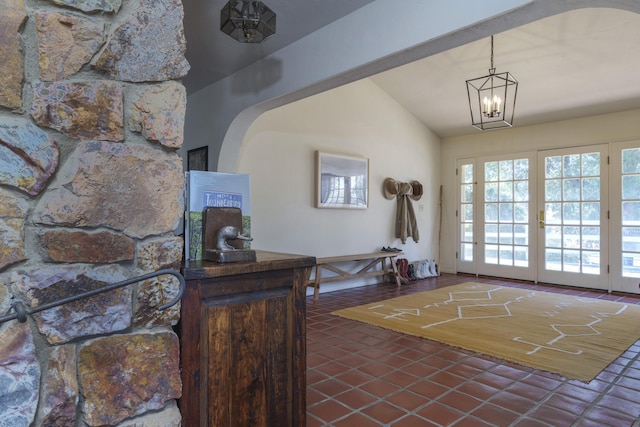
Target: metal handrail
{"x": 21, "y": 311}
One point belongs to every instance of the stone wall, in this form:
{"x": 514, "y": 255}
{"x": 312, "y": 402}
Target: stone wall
{"x": 91, "y": 191}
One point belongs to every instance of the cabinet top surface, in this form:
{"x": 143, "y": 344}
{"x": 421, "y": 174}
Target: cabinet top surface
{"x": 265, "y": 261}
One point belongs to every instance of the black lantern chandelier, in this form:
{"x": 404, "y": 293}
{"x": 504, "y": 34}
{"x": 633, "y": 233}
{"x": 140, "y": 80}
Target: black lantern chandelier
{"x": 247, "y": 21}
{"x": 492, "y": 99}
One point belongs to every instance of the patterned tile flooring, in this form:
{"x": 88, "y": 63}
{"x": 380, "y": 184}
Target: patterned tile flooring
{"x": 360, "y": 375}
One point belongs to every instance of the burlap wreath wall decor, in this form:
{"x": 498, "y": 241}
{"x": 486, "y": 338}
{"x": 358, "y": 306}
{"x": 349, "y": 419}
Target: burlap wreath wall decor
{"x": 406, "y": 225}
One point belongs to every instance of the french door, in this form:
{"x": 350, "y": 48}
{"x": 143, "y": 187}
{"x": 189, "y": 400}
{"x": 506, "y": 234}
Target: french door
{"x": 567, "y": 216}
{"x": 573, "y": 216}
{"x": 496, "y": 216}
{"x": 625, "y": 216}
{"x": 466, "y": 252}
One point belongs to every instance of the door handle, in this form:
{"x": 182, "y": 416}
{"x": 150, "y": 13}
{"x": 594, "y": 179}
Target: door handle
{"x": 541, "y": 219}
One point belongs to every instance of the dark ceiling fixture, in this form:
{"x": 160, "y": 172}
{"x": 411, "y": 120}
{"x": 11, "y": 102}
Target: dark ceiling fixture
{"x": 492, "y": 99}
{"x": 247, "y": 21}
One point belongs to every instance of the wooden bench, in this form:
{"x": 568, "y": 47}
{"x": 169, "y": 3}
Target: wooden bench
{"x": 375, "y": 258}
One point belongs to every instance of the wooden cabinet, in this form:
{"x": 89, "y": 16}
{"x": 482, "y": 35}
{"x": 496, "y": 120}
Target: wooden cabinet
{"x": 242, "y": 339}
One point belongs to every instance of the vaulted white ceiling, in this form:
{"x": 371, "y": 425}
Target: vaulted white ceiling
{"x": 580, "y": 63}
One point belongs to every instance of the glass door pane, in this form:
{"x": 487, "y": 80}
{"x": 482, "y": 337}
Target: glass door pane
{"x": 630, "y": 208}
{"x": 466, "y": 200}
{"x": 505, "y": 244}
{"x": 572, "y": 216}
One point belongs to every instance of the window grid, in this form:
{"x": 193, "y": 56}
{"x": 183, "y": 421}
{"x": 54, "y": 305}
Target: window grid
{"x": 466, "y": 212}
{"x": 506, "y": 207}
{"x": 572, "y": 213}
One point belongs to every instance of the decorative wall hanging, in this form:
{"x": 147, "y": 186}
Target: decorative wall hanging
{"x": 406, "y": 224}
{"x": 341, "y": 181}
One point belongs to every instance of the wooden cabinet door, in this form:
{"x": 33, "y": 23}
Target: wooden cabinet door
{"x": 249, "y": 362}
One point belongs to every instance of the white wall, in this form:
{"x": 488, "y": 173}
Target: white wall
{"x": 571, "y": 133}
{"x": 355, "y": 119}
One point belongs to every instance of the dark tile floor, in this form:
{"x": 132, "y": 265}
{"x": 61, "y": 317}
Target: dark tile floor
{"x": 360, "y": 375}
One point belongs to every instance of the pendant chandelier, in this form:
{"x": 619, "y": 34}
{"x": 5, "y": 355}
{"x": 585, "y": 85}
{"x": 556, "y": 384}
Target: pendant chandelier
{"x": 492, "y": 99}
{"x": 247, "y": 21}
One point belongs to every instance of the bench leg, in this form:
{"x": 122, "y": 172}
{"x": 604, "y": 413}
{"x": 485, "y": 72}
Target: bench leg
{"x": 316, "y": 284}
{"x": 396, "y": 274}
{"x": 389, "y": 273}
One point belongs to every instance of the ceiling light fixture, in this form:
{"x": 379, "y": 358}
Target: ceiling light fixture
{"x": 492, "y": 99}
{"x": 247, "y": 21}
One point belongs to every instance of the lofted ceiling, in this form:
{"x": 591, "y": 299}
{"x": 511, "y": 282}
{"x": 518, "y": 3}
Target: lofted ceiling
{"x": 580, "y": 63}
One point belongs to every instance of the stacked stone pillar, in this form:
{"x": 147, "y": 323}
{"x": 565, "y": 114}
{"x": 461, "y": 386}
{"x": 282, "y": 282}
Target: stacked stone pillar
{"x": 91, "y": 193}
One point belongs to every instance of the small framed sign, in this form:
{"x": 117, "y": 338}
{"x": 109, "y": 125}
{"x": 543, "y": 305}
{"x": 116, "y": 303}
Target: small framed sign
{"x": 198, "y": 159}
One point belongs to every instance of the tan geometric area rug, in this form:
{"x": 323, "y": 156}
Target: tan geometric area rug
{"x": 573, "y": 336}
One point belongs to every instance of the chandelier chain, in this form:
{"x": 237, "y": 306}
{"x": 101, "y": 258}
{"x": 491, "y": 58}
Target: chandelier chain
{"x": 492, "y": 67}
